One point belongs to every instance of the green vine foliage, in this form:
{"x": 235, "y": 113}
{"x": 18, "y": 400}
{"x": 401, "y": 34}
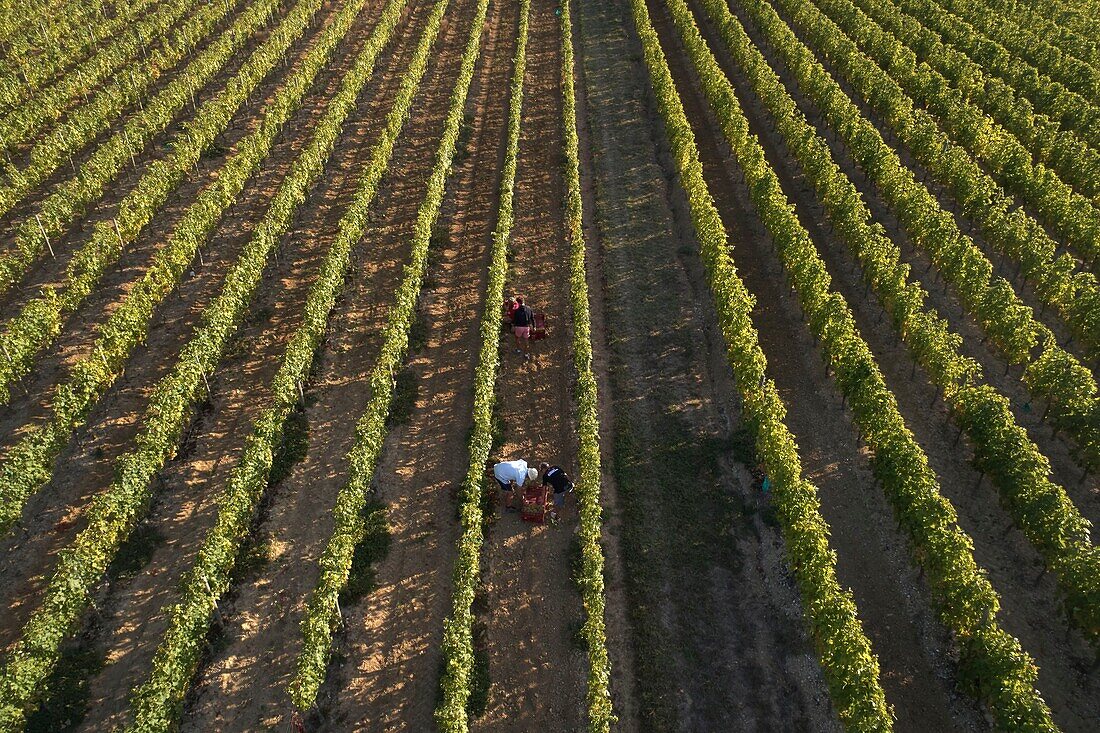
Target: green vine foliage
{"x": 941, "y": 548}
{"x": 1020, "y": 41}
{"x": 1071, "y": 216}
{"x": 1068, "y": 108}
{"x": 1063, "y": 150}
{"x": 48, "y": 105}
{"x": 458, "y": 652}
{"x": 1002, "y": 448}
{"x": 113, "y": 514}
{"x": 1058, "y": 283}
{"x": 322, "y": 613}
{"x": 1054, "y": 374}
{"x": 156, "y": 702}
{"x": 1064, "y": 33}
{"x": 851, "y": 668}
{"x": 590, "y": 576}
{"x": 29, "y": 464}
{"x": 42, "y": 318}
{"x": 89, "y": 121}
{"x": 27, "y": 26}
{"x": 31, "y": 63}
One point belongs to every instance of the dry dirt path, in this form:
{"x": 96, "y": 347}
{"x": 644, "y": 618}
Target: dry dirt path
{"x": 531, "y": 610}
{"x": 716, "y": 627}
{"x": 53, "y": 516}
{"x": 244, "y": 684}
{"x": 616, "y": 610}
{"x": 389, "y": 676}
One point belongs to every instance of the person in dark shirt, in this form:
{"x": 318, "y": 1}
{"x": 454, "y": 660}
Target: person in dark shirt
{"x": 522, "y": 320}
{"x": 557, "y": 478}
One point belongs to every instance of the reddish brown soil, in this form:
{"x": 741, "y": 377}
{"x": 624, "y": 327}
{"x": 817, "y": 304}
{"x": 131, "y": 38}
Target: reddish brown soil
{"x": 52, "y": 517}
{"x": 388, "y": 679}
{"x": 245, "y": 685}
{"x": 157, "y": 146}
{"x": 530, "y": 609}
{"x": 187, "y": 503}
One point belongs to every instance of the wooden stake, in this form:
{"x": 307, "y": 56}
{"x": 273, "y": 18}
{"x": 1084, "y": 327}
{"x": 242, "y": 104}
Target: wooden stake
{"x": 217, "y": 611}
{"x": 42, "y": 229}
{"x": 126, "y": 139}
{"x": 134, "y": 83}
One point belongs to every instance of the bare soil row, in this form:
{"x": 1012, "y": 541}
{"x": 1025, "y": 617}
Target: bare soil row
{"x": 1031, "y": 607}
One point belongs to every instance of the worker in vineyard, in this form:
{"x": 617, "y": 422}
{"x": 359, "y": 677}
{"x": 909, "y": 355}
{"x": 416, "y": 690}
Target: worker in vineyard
{"x": 522, "y": 320}
{"x": 557, "y": 478}
{"x": 511, "y": 475}
{"x": 510, "y": 306}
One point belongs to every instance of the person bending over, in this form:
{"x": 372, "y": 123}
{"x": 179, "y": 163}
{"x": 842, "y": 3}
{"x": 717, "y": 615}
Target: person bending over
{"x": 512, "y": 475}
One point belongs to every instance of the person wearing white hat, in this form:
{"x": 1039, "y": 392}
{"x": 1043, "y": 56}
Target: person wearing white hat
{"x": 512, "y": 475}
